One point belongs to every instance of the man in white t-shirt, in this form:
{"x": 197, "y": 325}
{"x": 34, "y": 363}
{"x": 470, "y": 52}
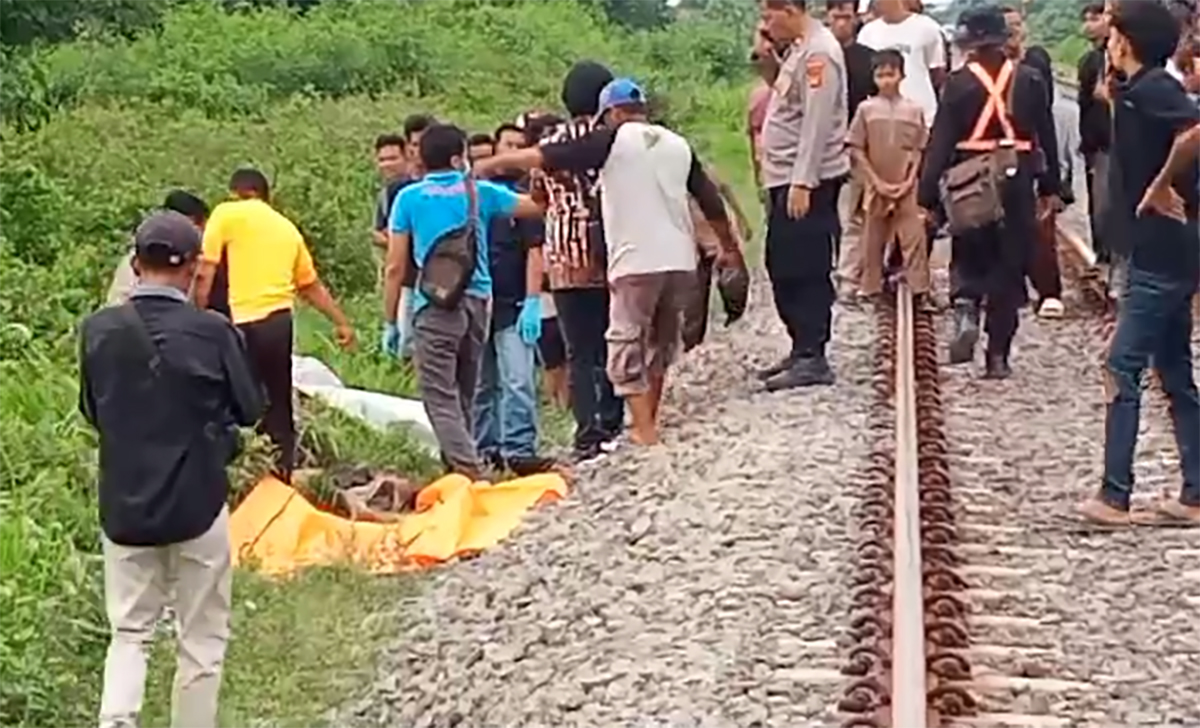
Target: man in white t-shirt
{"x": 919, "y": 39}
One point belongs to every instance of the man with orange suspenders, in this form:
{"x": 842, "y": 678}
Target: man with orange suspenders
{"x": 992, "y": 106}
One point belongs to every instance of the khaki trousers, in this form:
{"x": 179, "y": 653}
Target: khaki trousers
{"x": 850, "y": 257}
{"x": 194, "y": 578}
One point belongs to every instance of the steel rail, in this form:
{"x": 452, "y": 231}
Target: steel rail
{"x": 909, "y": 689}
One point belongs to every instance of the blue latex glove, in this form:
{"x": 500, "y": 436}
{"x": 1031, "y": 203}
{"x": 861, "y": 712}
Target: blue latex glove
{"x": 391, "y": 339}
{"x": 529, "y": 322}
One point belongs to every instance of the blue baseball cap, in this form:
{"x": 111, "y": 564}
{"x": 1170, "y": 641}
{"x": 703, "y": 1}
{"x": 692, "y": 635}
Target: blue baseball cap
{"x": 619, "y": 92}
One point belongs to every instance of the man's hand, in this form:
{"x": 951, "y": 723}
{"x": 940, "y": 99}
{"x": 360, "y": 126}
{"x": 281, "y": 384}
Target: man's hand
{"x": 529, "y": 321}
{"x": 798, "y": 201}
{"x": 728, "y": 258}
{"x": 390, "y": 342}
{"x": 344, "y": 334}
{"x": 1048, "y": 205}
{"x": 1161, "y": 199}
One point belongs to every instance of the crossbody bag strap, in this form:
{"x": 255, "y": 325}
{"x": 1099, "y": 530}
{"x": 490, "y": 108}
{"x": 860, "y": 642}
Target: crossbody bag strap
{"x": 141, "y": 337}
{"x": 472, "y": 202}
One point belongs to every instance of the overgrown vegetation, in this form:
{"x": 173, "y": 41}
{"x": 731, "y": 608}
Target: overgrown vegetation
{"x": 105, "y": 105}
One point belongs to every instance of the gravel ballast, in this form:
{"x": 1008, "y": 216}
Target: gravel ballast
{"x": 694, "y": 584}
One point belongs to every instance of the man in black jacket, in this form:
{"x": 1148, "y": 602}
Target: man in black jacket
{"x": 1095, "y": 122}
{"x": 988, "y": 264}
{"x": 165, "y": 384}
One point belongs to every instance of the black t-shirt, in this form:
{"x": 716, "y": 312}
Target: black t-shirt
{"x": 860, "y": 77}
{"x": 1149, "y": 110}
{"x": 383, "y": 211}
{"x": 509, "y": 243}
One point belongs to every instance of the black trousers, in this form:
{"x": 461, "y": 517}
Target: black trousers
{"x": 269, "y": 348}
{"x": 800, "y": 264}
{"x": 1098, "y": 244}
{"x": 583, "y": 320}
{"x": 988, "y": 266}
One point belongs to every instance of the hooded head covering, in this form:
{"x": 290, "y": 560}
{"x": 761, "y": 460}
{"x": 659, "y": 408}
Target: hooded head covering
{"x": 581, "y": 88}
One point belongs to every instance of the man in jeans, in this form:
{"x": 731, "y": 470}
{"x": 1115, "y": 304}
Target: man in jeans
{"x": 269, "y": 265}
{"x": 1154, "y": 201}
{"x": 164, "y": 384}
{"x": 506, "y": 415}
{"x": 448, "y": 344}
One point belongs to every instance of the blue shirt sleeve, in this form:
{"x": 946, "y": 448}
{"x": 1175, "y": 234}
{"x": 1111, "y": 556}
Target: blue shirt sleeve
{"x": 400, "y": 219}
{"x": 496, "y": 200}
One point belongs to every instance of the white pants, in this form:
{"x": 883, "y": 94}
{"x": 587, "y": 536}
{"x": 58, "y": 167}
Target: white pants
{"x": 194, "y": 578}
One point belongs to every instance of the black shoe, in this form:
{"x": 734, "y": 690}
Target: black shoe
{"x": 997, "y": 367}
{"x": 532, "y": 465}
{"x": 966, "y": 332}
{"x": 778, "y": 368}
{"x": 805, "y": 372}
{"x": 585, "y": 454}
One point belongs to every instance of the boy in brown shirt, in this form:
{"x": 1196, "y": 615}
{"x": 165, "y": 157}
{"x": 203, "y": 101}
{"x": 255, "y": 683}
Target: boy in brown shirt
{"x": 887, "y": 138}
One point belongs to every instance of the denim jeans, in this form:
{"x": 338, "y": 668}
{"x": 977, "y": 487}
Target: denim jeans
{"x": 506, "y": 416}
{"x": 1154, "y": 320}
{"x": 405, "y": 318}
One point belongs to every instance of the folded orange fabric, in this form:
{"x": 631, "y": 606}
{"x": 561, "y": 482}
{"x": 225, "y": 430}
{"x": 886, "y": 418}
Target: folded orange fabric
{"x": 276, "y": 530}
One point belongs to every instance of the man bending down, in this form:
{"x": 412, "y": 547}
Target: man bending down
{"x": 647, "y": 173}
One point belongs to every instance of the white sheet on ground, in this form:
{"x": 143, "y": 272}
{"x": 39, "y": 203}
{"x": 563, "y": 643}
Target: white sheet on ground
{"x": 315, "y": 379}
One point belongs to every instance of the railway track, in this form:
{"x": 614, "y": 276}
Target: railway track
{"x": 953, "y": 612}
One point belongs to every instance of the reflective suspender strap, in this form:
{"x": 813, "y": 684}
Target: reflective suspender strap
{"x": 996, "y": 107}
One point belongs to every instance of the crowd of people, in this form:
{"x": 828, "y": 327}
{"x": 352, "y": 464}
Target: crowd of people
{"x": 975, "y": 149}
{"x": 587, "y": 245}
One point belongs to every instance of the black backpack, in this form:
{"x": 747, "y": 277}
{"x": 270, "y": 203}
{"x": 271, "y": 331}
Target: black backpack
{"x": 447, "y": 270}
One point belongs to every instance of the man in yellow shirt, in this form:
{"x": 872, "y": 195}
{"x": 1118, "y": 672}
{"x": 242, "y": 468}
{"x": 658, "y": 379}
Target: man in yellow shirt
{"x": 269, "y": 264}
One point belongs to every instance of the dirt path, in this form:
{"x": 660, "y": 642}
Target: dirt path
{"x": 695, "y": 584}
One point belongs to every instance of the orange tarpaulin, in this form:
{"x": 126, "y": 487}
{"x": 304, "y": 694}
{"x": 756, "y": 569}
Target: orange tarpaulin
{"x": 279, "y": 531}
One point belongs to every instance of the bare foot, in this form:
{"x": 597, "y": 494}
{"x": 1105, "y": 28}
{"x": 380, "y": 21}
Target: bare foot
{"x": 638, "y": 437}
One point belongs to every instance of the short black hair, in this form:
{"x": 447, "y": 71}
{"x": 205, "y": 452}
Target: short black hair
{"x": 837, "y": 4}
{"x": 481, "y": 138}
{"x": 1151, "y": 29}
{"x": 249, "y": 180}
{"x": 780, "y": 4}
{"x": 888, "y": 58}
{"x": 417, "y": 123}
{"x": 440, "y": 144}
{"x": 187, "y": 204}
{"x": 507, "y": 128}
{"x": 1091, "y": 9}
{"x": 1010, "y": 9}
{"x": 389, "y": 140}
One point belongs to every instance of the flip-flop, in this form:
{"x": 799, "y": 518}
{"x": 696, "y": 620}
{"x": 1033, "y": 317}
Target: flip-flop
{"x": 1160, "y": 518}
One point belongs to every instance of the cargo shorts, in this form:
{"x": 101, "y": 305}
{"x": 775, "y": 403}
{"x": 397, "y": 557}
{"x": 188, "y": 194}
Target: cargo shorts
{"x": 645, "y": 327}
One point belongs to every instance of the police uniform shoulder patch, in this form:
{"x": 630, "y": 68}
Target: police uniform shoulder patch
{"x": 814, "y": 71}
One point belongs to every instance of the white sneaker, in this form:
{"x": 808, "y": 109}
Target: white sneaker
{"x": 1051, "y": 308}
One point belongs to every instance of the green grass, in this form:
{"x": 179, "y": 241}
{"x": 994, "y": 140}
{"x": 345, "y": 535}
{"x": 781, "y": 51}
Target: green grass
{"x": 298, "y": 647}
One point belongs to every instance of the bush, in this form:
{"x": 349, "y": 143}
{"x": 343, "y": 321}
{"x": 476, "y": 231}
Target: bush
{"x": 181, "y": 104}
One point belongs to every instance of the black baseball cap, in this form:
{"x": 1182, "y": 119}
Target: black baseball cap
{"x": 166, "y": 238}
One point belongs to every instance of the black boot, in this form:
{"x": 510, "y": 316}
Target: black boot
{"x": 966, "y": 331}
{"x": 997, "y": 367}
{"x": 777, "y": 368}
{"x": 805, "y": 372}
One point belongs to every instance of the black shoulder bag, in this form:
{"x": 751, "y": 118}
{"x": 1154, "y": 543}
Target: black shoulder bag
{"x": 447, "y": 270}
